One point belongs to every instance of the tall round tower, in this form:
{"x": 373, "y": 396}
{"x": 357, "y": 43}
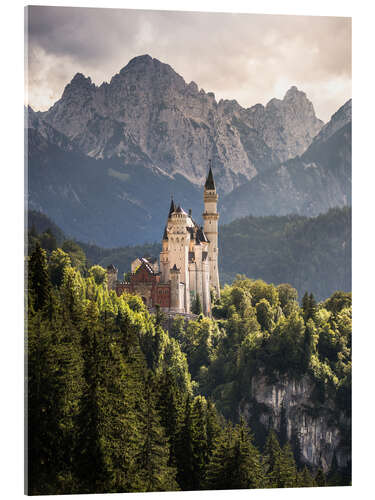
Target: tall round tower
{"x": 211, "y": 218}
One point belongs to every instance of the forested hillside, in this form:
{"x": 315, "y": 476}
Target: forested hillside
{"x": 117, "y": 404}
{"x": 312, "y": 254}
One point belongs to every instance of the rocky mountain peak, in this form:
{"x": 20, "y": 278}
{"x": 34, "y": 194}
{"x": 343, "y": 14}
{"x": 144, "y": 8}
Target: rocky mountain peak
{"x": 342, "y": 117}
{"x": 288, "y": 125}
{"x": 80, "y": 79}
{"x": 79, "y": 85}
{"x": 138, "y": 63}
{"x": 294, "y": 93}
{"x": 148, "y": 114}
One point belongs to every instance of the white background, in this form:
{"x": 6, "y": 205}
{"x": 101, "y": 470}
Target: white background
{"x": 11, "y": 231}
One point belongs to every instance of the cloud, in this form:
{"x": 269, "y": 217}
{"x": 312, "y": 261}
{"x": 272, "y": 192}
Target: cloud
{"x": 251, "y": 58}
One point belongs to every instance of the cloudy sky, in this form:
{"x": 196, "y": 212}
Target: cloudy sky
{"x": 247, "y": 57}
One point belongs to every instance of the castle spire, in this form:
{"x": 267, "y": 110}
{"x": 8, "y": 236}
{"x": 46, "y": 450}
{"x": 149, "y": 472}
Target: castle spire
{"x": 172, "y": 208}
{"x": 211, "y": 217}
{"x": 210, "y": 183}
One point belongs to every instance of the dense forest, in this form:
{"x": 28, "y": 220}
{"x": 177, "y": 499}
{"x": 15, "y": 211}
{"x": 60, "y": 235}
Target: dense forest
{"x": 116, "y": 403}
{"x": 309, "y": 253}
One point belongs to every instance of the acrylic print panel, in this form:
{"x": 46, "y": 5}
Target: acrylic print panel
{"x": 189, "y": 251}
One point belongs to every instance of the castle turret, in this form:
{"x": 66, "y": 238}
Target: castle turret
{"x": 176, "y": 295}
{"x": 112, "y": 273}
{"x": 211, "y": 218}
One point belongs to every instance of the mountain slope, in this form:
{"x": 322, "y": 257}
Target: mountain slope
{"x": 148, "y": 115}
{"x": 312, "y": 254}
{"x": 309, "y": 184}
{"x": 102, "y": 201}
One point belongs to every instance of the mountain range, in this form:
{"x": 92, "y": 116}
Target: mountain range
{"x": 104, "y": 160}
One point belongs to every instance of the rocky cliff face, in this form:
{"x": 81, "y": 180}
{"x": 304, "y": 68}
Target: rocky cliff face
{"x": 287, "y": 126}
{"x": 148, "y": 115}
{"x": 289, "y": 406}
{"x": 309, "y": 184}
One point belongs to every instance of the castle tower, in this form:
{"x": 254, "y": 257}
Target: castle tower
{"x": 176, "y": 299}
{"x": 211, "y": 218}
{"x": 112, "y": 273}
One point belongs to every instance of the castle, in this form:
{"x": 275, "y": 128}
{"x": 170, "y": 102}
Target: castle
{"x": 188, "y": 262}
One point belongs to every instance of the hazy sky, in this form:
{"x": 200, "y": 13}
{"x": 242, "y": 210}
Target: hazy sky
{"x": 247, "y": 57}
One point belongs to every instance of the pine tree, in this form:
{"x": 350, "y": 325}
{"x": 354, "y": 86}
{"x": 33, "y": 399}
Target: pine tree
{"x": 184, "y": 448}
{"x": 220, "y": 468}
{"x": 286, "y": 470}
{"x": 39, "y": 283}
{"x": 247, "y": 468}
{"x": 309, "y": 306}
{"x": 89, "y": 452}
{"x": 312, "y": 307}
{"x": 305, "y": 304}
{"x": 308, "y": 345}
{"x": 214, "y": 426}
{"x": 55, "y": 386}
{"x": 199, "y": 440}
{"x": 58, "y": 262}
{"x": 320, "y": 478}
{"x": 155, "y": 473}
{"x": 169, "y": 410}
{"x": 305, "y": 479}
{"x": 271, "y": 459}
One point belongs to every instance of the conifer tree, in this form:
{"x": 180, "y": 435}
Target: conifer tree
{"x": 199, "y": 440}
{"x": 170, "y": 410}
{"x": 89, "y": 452}
{"x": 219, "y": 472}
{"x": 286, "y": 470}
{"x": 184, "y": 447}
{"x": 55, "y": 385}
{"x": 320, "y": 478}
{"x": 58, "y": 262}
{"x": 155, "y": 473}
{"x": 312, "y": 306}
{"x": 305, "y": 479}
{"x": 214, "y": 426}
{"x": 39, "y": 283}
{"x": 247, "y": 467}
{"x": 271, "y": 458}
{"x": 305, "y": 304}
{"x": 308, "y": 344}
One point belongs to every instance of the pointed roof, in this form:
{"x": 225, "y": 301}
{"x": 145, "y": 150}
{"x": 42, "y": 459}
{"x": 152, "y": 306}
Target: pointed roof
{"x": 172, "y": 208}
{"x": 210, "y": 183}
{"x": 180, "y": 210}
{"x": 145, "y": 265}
{"x": 175, "y": 269}
{"x": 201, "y": 235}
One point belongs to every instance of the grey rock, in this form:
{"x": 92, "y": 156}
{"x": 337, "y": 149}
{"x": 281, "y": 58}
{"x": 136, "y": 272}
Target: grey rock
{"x": 322, "y": 430}
{"x": 148, "y": 114}
{"x": 309, "y": 184}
